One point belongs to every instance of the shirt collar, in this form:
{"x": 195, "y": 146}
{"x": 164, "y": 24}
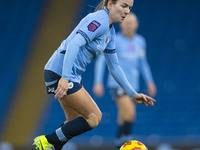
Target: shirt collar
{"x": 106, "y": 9}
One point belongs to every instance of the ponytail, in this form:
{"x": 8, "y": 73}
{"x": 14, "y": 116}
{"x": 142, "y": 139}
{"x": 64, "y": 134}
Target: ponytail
{"x": 103, "y": 4}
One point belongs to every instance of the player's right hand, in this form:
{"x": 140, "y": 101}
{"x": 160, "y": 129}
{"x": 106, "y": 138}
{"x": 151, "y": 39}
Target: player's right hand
{"x": 143, "y": 99}
{"x": 98, "y": 90}
{"x": 62, "y": 88}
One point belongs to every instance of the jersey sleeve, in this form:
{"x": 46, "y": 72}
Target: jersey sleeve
{"x": 92, "y": 26}
{"x": 99, "y": 69}
{"x": 118, "y": 74}
{"x": 71, "y": 54}
{"x": 142, "y": 52}
{"x": 144, "y": 66}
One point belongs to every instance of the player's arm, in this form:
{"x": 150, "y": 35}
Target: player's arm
{"x": 70, "y": 55}
{"x": 99, "y": 71}
{"x": 146, "y": 73}
{"x": 118, "y": 74}
{"x": 90, "y": 28}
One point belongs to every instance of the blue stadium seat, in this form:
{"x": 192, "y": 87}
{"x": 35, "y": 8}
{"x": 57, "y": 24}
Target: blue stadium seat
{"x": 17, "y": 22}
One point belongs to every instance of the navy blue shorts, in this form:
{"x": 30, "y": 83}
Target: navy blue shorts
{"x": 51, "y": 81}
{"x": 117, "y": 93}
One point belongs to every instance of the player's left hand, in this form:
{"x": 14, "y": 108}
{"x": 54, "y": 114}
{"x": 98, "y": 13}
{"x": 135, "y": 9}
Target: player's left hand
{"x": 98, "y": 90}
{"x": 62, "y": 88}
{"x": 143, "y": 99}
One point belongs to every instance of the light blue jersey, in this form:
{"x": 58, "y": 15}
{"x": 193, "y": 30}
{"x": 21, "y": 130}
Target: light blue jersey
{"x": 95, "y": 29}
{"x": 92, "y": 36}
{"x": 132, "y": 58}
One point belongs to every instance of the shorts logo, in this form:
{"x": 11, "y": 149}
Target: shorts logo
{"x": 51, "y": 90}
{"x": 70, "y": 85}
{"x": 120, "y": 92}
{"x": 93, "y": 26}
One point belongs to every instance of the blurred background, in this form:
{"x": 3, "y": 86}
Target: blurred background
{"x": 31, "y": 30}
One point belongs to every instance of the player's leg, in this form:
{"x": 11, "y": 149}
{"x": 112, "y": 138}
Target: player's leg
{"x": 83, "y": 105}
{"x": 86, "y": 113}
{"x": 90, "y": 116}
{"x": 126, "y": 113}
{"x": 126, "y": 116}
{"x": 70, "y": 114}
{"x": 51, "y": 81}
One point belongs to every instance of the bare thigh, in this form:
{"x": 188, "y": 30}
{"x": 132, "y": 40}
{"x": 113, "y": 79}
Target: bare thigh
{"x": 126, "y": 109}
{"x": 81, "y": 104}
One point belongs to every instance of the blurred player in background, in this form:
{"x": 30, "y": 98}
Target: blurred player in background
{"x": 94, "y": 34}
{"x": 131, "y": 51}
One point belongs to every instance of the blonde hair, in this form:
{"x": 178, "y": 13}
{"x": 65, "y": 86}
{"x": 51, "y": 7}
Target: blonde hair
{"x": 103, "y": 4}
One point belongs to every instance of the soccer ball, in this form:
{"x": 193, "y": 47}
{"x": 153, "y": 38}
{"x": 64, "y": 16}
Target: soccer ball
{"x": 133, "y": 145}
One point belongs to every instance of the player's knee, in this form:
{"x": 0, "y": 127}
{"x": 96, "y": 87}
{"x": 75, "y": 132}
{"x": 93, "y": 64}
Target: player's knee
{"x": 129, "y": 116}
{"x": 94, "y": 119}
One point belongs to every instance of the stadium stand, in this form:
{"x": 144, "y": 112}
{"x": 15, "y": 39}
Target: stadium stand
{"x": 17, "y": 22}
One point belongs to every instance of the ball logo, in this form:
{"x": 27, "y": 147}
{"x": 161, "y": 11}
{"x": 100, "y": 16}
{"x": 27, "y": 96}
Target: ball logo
{"x": 70, "y": 85}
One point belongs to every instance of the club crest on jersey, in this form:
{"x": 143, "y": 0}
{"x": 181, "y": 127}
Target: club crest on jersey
{"x": 70, "y": 85}
{"x": 99, "y": 47}
{"x": 93, "y": 26}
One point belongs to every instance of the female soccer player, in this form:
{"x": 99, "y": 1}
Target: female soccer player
{"x": 130, "y": 48}
{"x": 92, "y": 36}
